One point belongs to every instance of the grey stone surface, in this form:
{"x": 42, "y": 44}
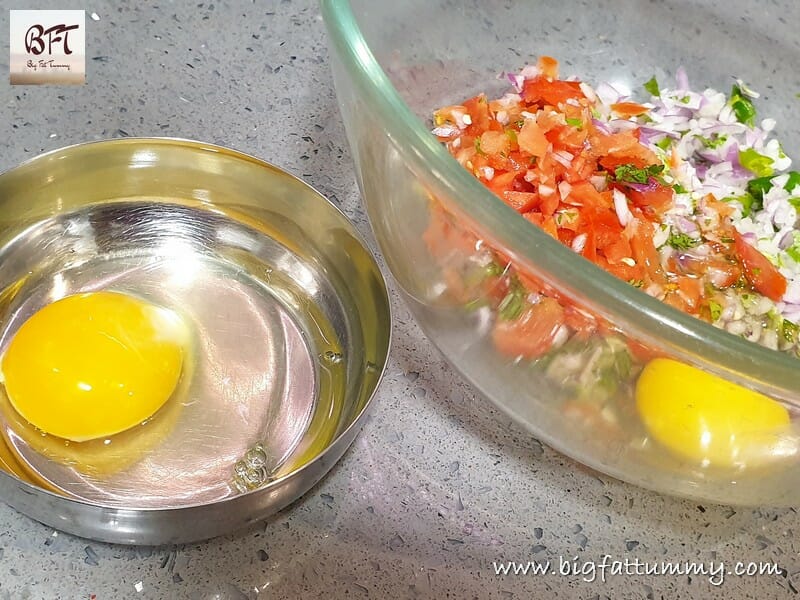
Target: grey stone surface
{"x": 439, "y": 485}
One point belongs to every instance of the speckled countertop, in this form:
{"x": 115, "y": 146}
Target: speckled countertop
{"x": 439, "y": 485}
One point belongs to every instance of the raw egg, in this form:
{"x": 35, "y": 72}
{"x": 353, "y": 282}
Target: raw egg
{"x": 709, "y": 420}
{"x": 93, "y": 365}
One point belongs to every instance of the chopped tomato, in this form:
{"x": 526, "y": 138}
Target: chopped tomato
{"x": 619, "y": 249}
{"x": 544, "y": 154}
{"x": 495, "y": 142}
{"x": 521, "y": 201}
{"x": 691, "y": 291}
{"x": 478, "y": 110}
{"x": 584, "y": 194}
{"x": 532, "y": 334}
{"x": 629, "y": 109}
{"x": 548, "y": 66}
{"x": 644, "y": 251}
{"x": 621, "y": 148}
{"x": 760, "y": 273}
{"x": 532, "y": 140}
{"x": 552, "y": 92}
{"x": 655, "y": 200}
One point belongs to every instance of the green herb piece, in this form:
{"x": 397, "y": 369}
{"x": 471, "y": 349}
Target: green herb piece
{"x": 791, "y": 183}
{"x": 475, "y": 304}
{"x": 519, "y": 123}
{"x": 512, "y": 305}
{"x": 574, "y": 122}
{"x": 748, "y": 300}
{"x": 714, "y": 142}
{"x": 757, "y": 163}
{"x": 682, "y": 241}
{"x": 651, "y": 87}
{"x": 512, "y": 135}
{"x": 632, "y": 174}
{"x": 478, "y": 146}
{"x": 494, "y": 269}
{"x": 758, "y": 187}
{"x": 794, "y": 250}
{"x": 566, "y": 217}
{"x": 789, "y": 331}
{"x": 749, "y": 203}
{"x": 664, "y": 143}
{"x": 679, "y": 189}
{"x": 716, "y": 310}
{"x": 686, "y": 99}
{"x": 742, "y": 106}
{"x": 637, "y": 283}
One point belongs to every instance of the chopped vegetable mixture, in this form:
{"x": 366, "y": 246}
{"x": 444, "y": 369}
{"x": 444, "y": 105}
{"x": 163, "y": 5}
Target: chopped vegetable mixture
{"x": 686, "y": 196}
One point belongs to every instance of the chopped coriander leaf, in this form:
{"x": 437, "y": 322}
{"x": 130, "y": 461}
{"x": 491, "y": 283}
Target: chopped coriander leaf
{"x": 794, "y": 250}
{"x": 679, "y": 189}
{"x": 686, "y": 99}
{"x": 714, "y": 142}
{"x": 478, "y": 146}
{"x": 789, "y": 331}
{"x": 651, "y": 87}
{"x": 494, "y": 269}
{"x": 758, "y": 187}
{"x": 791, "y": 183}
{"x": 576, "y": 122}
{"x": 749, "y": 203}
{"x": 633, "y": 174}
{"x": 513, "y": 303}
{"x": 636, "y": 282}
{"x": 664, "y": 143}
{"x": 475, "y": 304}
{"x": 748, "y": 300}
{"x": 716, "y": 310}
{"x": 742, "y": 106}
{"x": 682, "y": 241}
{"x": 757, "y": 163}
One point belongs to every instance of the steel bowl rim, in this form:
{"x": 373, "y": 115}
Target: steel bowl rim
{"x": 357, "y": 421}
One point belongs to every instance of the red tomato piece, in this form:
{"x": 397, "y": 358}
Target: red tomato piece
{"x": 760, "y": 273}
{"x": 548, "y": 66}
{"x": 553, "y": 92}
{"x": 532, "y": 140}
{"x": 629, "y": 109}
{"x": 532, "y": 334}
{"x": 478, "y": 110}
{"x": 655, "y": 200}
{"x": 522, "y": 202}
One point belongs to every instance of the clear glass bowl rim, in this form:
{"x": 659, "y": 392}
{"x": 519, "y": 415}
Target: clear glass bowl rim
{"x": 684, "y": 336}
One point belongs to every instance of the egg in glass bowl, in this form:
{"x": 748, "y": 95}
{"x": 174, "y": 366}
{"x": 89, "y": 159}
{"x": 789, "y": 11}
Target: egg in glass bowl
{"x": 592, "y": 213}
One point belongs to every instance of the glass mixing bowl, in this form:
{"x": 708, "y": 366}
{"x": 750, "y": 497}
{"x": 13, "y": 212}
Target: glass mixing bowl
{"x": 394, "y": 63}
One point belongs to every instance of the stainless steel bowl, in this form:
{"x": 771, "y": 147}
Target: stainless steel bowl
{"x": 291, "y": 325}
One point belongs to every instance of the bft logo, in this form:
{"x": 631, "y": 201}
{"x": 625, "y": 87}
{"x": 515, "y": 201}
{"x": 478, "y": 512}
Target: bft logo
{"x": 48, "y": 46}
{"x": 37, "y": 35}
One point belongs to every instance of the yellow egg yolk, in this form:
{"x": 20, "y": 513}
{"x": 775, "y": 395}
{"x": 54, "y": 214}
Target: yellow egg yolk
{"x": 95, "y": 364}
{"x": 707, "y": 419}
